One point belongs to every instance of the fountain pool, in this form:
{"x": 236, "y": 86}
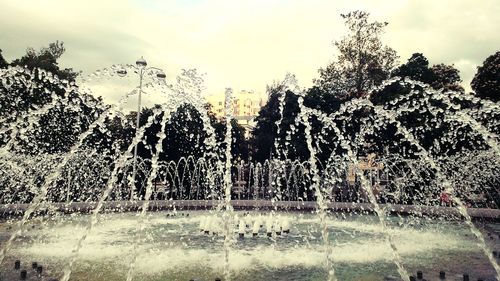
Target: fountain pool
{"x": 173, "y": 247}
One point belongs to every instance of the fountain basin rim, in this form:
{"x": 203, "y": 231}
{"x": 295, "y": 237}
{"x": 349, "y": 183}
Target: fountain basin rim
{"x": 12, "y": 210}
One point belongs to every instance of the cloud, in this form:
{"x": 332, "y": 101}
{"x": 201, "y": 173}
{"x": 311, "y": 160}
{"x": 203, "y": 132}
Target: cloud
{"x": 244, "y": 44}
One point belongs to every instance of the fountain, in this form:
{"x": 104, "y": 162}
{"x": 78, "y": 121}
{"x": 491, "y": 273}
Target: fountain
{"x": 372, "y": 200}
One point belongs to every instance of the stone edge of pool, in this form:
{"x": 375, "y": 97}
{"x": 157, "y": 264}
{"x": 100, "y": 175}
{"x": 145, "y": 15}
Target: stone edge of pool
{"x": 10, "y": 210}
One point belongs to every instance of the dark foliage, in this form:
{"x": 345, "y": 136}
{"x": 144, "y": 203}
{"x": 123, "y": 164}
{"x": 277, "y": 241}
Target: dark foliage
{"x": 486, "y": 82}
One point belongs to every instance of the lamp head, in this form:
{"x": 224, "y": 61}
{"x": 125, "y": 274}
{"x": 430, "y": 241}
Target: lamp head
{"x": 141, "y": 63}
{"x": 161, "y": 75}
{"x": 121, "y": 72}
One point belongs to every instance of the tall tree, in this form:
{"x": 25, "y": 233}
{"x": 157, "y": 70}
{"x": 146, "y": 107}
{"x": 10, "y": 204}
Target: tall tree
{"x": 486, "y": 82}
{"x": 264, "y": 133}
{"x": 363, "y": 60}
{"x": 291, "y": 138}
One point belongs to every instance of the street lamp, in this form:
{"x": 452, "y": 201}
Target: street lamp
{"x": 141, "y": 65}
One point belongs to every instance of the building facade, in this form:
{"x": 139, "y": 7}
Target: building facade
{"x": 246, "y": 106}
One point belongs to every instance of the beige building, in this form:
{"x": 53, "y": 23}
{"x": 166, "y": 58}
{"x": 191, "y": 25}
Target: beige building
{"x": 246, "y": 106}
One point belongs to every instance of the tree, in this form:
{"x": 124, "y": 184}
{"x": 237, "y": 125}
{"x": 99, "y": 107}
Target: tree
{"x": 439, "y": 77}
{"x": 36, "y": 85}
{"x": 291, "y": 138}
{"x": 320, "y": 100}
{"x": 39, "y": 83}
{"x": 185, "y": 134}
{"x": 264, "y": 133}
{"x": 291, "y": 142}
{"x": 3, "y": 62}
{"x": 486, "y": 82}
{"x": 363, "y": 61}
{"x": 239, "y": 145}
{"x": 446, "y": 77}
{"x": 46, "y": 58}
{"x": 417, "y": 68}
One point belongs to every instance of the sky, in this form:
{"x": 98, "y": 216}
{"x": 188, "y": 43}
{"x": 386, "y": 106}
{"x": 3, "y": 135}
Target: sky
{"x": 244, "y": 44}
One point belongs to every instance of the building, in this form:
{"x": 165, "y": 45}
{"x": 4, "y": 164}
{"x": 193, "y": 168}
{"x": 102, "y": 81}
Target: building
{"x": 246, "y": 106}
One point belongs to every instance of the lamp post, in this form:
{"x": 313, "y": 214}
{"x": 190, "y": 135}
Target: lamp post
{"x": 141, "y": 66}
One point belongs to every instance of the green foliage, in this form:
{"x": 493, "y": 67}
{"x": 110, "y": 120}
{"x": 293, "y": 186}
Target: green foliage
{"x": 67, "y": 114}
{"x": 486, "y": 82}
{"x": 321, "y": 100}
{"x": 291, "y": 138}
{"x": 439, "y": 77}
{"x": 363, "y": 60}
{"x": 290, "y": 141}
{"x": 264, "y": 133}
{"x": 429, "y": 118}
{"x": 362, "y": 63}
{"x": 239, "y": 145}
{"x": 417, "y": 68}
{"x": 115, "y": 133}
{"x": 46, "y": 58}
{"x": 426, "y": 117}
{"x": 185, "y": 134}
{"x": 446, "y": 77}
{"x": 3, "y": 62}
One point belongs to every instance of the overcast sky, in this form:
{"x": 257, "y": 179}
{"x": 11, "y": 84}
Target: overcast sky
{"x": 244, "y": 44}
